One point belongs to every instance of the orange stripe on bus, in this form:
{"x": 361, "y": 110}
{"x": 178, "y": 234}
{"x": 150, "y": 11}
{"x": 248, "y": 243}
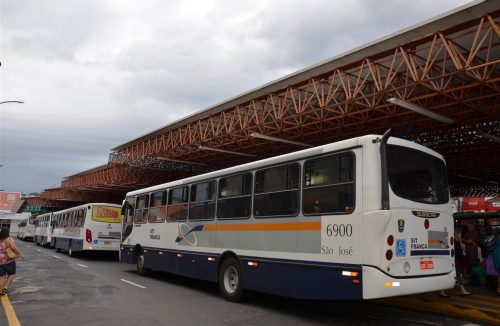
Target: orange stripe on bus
{"x": 295, "y": 226}
{"x": 434, "y": 241}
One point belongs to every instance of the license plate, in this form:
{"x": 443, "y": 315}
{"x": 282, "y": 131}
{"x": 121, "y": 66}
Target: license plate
{"x": 107, "y": 242}
{"x": 426, "y": 264}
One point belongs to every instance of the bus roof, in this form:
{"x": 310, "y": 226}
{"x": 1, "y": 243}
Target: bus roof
{"x": 318, "y": 150}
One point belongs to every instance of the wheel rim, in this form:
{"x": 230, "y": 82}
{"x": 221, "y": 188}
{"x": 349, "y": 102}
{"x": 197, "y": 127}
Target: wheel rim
{"x": 140, "y": 262}
{"x": 231, "y": 279}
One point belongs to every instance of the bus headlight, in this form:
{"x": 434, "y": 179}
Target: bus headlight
{"x": 406, "y": 267}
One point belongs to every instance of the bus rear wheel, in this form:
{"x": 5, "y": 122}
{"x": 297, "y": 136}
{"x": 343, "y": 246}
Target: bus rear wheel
{"x": 70, "y": 250}
{"x": 141, "y": 263}
{"x": 231, "y": 280}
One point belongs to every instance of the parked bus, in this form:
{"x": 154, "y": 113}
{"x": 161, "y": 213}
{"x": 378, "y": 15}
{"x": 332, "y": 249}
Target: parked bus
{"x": 363, "y": 218}
{"x": 43, "y": 229}
{"x": 26, "y": 229}
{"x": 89, "y": 227}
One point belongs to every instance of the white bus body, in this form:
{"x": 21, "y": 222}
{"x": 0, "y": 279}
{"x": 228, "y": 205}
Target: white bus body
{"x": 320, "y": 223}
{"x": 89, "y": 227}
{"x": 43, "y": 229}
{"x": 26, "y": 229}
{"x": 14, "y": 229}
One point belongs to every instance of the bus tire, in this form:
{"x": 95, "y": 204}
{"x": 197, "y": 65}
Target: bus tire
{"x": 231, "y": 280}
{"x": 71, "y": 253}
{"x": 141, "y": 263}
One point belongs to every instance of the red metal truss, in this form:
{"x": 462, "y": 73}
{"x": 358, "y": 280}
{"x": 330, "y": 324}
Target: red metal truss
{"x": 452, "y": 71}
{"x": 118, "y": 177}
{"x": 47, "y": 202}
{"x": 72, "y": 196}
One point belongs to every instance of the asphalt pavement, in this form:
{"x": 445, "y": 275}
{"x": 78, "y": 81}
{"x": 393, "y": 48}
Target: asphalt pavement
{"x": 54, "y": 289}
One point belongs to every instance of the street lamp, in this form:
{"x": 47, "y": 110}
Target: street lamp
{"x": 281, "y": 140}
{"x": 412, "y": 107}
{"x": 20, "y": 102}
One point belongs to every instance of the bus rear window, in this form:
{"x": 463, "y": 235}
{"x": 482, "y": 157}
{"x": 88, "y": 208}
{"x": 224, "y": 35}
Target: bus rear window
{"x": 417, "y": 176}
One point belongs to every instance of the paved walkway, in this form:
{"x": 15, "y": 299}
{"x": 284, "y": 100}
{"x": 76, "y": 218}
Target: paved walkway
{"x": 483, "y": 305}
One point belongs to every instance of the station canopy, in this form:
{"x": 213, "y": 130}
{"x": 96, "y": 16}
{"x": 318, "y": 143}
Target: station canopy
{"x": 436, "y": 83}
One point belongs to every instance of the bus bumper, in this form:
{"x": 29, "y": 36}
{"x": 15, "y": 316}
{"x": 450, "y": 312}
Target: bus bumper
{"x": 379, "y": 285}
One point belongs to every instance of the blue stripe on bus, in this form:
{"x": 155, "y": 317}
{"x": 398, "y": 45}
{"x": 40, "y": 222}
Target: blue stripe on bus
{"x": 285, "y": 277}
{"x": 430, "y": 252}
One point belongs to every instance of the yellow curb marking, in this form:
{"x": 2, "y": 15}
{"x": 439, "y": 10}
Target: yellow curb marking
{"x": 9, "y": 311}
{"x": 454, "y": 309}
{"x": 481, "y": 298}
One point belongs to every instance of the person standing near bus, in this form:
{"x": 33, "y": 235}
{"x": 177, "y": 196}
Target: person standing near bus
{"x": 471, "y": 240}
{"x": 496, "y": 259}
{"x": 7, "y": 266}
{"x": 458, "y": 268}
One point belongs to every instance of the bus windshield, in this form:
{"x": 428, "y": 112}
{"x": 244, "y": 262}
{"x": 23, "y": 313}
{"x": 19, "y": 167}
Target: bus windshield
{"x": 417, "y": 176}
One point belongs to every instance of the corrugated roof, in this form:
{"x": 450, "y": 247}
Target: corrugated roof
{"x": 18, "y": 205}
{"x": 450, "y": 19}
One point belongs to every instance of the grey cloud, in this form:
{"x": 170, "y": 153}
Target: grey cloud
{"x": 95, "y": 74}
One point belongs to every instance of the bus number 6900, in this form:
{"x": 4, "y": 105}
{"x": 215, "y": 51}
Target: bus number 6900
{"x": 339, "y": 230}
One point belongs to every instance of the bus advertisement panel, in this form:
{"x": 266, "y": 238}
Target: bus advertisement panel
{"x": 106, "y": 214}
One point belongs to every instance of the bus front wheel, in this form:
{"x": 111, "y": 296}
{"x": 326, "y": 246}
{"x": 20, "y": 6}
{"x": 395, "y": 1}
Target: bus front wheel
{"x": 231, "y": 280}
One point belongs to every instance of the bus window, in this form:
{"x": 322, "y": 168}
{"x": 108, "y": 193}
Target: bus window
{"x": 202, "y": 202}
{"x": 72, "y": 218}
{"x": 329, "y": 185}
{"x": 128, "y": 216}
{"x": 141, "y": 210}
{"x": 235, "y": 194}
{"x": 79, "y": 218}
{"x": 177, "y": 204}
{"x": 157, "y": 207}
{"x": 417, "y": 176}
{"x": 129, "y": 211}
{"x": 277, "y": 191}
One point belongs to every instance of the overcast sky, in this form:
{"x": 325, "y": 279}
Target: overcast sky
{"x": 95, "y": 74}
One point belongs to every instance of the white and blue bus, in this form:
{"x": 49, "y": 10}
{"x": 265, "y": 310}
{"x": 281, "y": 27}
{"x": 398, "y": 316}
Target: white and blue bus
{"x": 43, "y": 229}
{"x": 363, "y": 218}
{"x": 86, "y": 228}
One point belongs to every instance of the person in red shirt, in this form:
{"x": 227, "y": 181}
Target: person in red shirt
{"x": 7, "y": 265}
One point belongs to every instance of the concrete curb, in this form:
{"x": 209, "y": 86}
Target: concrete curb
{"x": 454, "y": 309}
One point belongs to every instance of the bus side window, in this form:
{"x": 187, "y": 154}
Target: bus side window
{"x": 157, "y": 209}
{"x": 277, "y": 191}
{"x": 329, "y": 185}
{"x": 141, "y": 210}
{"x": 235, "y": 196}
{"x": 177, "y": 204}
{"x": 202, "y": 201}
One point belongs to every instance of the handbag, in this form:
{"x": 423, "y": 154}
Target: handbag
{"x": 11, "y": 255}
{"x": 490, "y": 267}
